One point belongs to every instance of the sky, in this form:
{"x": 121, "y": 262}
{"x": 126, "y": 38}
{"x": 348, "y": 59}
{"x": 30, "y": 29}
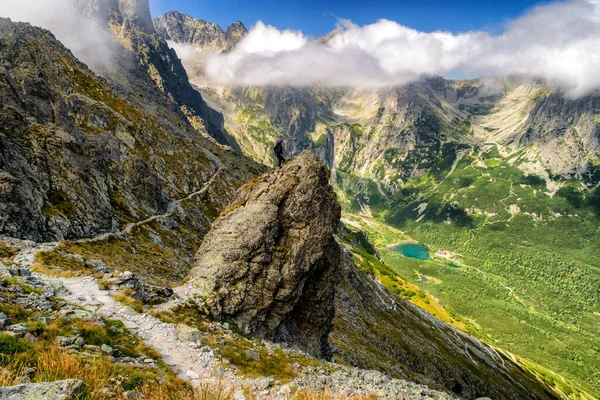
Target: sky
{"x": 378, "y": 44}
{"x": 317, "y": 18}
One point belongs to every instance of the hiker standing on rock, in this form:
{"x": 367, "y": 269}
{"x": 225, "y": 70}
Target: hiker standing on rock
{"x": 279, "y": 152}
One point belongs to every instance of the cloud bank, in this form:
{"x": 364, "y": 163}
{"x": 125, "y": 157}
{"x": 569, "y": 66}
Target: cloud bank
{"x": 558, "y": 42}
{"x": 86, "y": 38}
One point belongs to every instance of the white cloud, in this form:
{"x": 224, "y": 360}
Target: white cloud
{"x": 184, "y": 51}
{"x": 559, "y": 42}
{"x": 84, "y": 37}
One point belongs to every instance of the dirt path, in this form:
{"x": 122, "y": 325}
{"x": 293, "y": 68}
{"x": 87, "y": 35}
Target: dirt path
{"x": 170, "y": 211}
{"x": 190, "y": 363}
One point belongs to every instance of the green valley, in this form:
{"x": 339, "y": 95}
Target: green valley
{"x": 519, "y": 263}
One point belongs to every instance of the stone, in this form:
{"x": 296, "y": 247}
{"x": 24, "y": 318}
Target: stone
{"x": 30, "y": 338}
{"x": 4, "y": 320}
{"x": 70, "y": 389}
{"x": 192, "y": 375}
{"x": 92, "y": 349}
{"x": 219, "y": 371}
{"x": 18, "y": 330}
{"x": 263, "y": 383}
{"x": 106, "y": 349}
{"x": 285, "y": 390}
{"x": 270, "y": 263}
{"x": 79, "y": 341}
{"x": 186, "y": 333}
{"x": 63, "y": 341}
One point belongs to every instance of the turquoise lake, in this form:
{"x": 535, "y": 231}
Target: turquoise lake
{"x": 412, "y": 250}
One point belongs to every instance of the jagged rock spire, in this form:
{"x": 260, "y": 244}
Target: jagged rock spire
{"x": 270, "y": 263}
{"x": 132, "y": 12}
{"x": 138, "y": 13}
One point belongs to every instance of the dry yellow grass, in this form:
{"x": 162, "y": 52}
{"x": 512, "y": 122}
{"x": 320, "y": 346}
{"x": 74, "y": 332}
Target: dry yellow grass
{"x": 127, "y": 299}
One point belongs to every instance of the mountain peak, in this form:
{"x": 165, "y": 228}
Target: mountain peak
{"x": 134, "y": 12}
{"x": 204, "y": 35}
{"x": 138, "y": 13}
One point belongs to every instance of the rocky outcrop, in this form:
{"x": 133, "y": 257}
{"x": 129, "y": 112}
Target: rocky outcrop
{"x": 70, "y": 389}
{"x": 145, "y": 68}
{"x": 182, "y": 28}
{"x": 271, "y": 264}
{"x": 270, "y": 261}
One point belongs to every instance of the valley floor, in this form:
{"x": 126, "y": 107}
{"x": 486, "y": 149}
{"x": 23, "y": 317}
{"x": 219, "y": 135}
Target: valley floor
{"x": 460, "y": 288}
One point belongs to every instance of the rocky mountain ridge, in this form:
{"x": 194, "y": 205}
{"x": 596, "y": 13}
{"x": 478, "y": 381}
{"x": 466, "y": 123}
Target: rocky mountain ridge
{"x": 413, "y": 122}
{"x": 182, "y": 28}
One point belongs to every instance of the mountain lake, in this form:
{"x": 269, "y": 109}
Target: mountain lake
{"x": 412, "y": 250}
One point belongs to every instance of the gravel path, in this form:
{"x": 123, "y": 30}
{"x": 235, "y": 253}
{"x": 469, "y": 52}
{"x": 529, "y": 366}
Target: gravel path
{"x": 199, "y": 367}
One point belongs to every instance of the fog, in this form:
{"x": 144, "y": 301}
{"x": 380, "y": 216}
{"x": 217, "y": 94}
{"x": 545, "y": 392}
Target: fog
{"x": 558, "y": 42}
{"x": 87, "y": 39}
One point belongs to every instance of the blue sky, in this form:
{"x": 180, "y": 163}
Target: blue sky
{"x": 316, "y": 18}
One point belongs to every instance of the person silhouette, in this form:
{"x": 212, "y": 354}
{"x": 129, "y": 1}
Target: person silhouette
{"x": 279, "y": 152}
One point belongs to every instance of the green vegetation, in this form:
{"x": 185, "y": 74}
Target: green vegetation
{"x": 6, "y": 251}
{"x": 526, "y": 273}
{"x": 236, "y": 348}
{"x": 42, "y": 361}
{"x": 141, "y": 253}
{"x": 58, "y": 204}
{"x": 321, "y": 140}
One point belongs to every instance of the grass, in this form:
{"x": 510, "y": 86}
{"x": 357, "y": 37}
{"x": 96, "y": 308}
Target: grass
{"x": 528, "y": 282}
{"x": 44, "y": 361}
{"x": 127, "y": 299}
{"x": 7, "y": 252}
{"x": 58, "y": 261}
{"x": 159, "y": 262}
{"x": 327, "y": 394}
{"x": 271, "y": 362}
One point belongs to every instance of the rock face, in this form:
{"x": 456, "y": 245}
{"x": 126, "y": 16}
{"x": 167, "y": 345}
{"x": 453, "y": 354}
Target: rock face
{"x": 204, "y": 35}
{"x": 270, "y": 261}
{"x": 77, "y": 157}
{"x": 69, "y": 389}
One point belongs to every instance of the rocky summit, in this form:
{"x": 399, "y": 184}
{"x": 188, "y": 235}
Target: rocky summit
{"x": 270, "y": 261}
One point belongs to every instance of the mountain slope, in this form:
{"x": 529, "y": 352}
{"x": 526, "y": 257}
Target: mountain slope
{"x": 503, "y": 171}
{"x": 270, "y": 264}
{"x": 77, "y": 157}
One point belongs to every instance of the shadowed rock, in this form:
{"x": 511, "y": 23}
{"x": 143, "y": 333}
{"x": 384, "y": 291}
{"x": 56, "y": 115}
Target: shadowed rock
{"x": 269, "y": 263}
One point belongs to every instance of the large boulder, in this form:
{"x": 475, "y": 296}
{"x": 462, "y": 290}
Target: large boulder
{"x": 69, "y": 389}
{"x": 270, "y": 261}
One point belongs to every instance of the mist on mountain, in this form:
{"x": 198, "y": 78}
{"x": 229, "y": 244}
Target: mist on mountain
{"x": 85, "y": 37}
{"x": 557, "y": 42}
